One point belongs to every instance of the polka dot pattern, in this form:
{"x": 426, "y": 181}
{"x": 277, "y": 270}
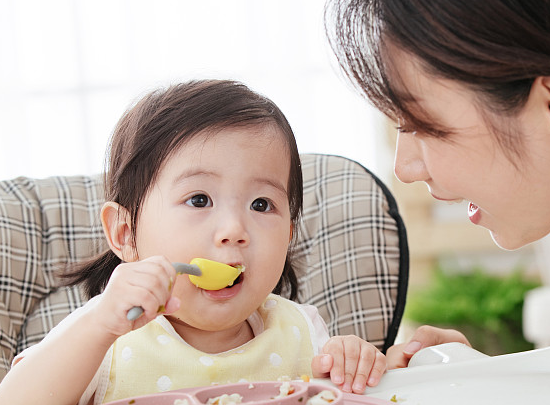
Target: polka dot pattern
{"x": 206, "y": 360}
{"x": 163, "y": 339}
{"x": 164, "y": 383}
{"x": 275, "y": 359}
{"x": 282, "y": 338}
{"x": 269, "y": 304}
{"x": 297, "y": 333}
{"x": 126, "y": 353}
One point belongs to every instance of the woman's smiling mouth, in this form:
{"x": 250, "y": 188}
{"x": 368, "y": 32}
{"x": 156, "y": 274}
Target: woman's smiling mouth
{"x": 474, "y": 213}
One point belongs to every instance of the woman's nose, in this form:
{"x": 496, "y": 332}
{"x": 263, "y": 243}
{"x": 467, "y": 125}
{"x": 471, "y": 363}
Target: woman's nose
{"x": 232, "y": 231}
{"x": 409, "y": 164}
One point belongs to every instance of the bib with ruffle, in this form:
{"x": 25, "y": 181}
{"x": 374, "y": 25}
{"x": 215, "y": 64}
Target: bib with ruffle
{"x": 152, "y": 359}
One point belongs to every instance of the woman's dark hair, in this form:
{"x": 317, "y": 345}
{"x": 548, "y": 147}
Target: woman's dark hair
{"x": 158, "y": 125}
{"x": 497, "y": 48}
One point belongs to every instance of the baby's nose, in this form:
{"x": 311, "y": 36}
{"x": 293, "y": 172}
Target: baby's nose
{"x": 232, "y": 231}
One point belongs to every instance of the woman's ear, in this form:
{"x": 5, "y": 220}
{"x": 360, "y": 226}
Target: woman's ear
{"x": 291, "y": 232}
{"x": 118, "y": 231}
{"x": 544, "y": 82}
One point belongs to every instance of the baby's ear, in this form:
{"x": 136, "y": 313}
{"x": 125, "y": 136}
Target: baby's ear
{"x": 117, "y": 227}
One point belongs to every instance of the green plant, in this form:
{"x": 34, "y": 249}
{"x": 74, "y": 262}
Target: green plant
{"x": 486, "y": 308}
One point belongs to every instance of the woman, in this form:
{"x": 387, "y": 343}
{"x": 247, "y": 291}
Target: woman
{"x": 468, "y": 84}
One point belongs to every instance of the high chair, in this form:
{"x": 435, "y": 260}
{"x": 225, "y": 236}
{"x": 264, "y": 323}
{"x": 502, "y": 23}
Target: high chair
{"x": 352, "y": 251}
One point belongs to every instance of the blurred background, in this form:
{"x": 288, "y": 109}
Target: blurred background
{"x": 70, "y": 68}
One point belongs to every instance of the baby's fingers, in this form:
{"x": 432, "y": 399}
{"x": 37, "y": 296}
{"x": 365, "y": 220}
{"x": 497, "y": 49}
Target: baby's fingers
{"x": 370, "y": 368}
{"x": 144, "y": 284}
{"x": 172, "y": 305}
{"x": 335, "y": 348}
{"x": 352, "y": 358}
{"x": 321, "y": 365}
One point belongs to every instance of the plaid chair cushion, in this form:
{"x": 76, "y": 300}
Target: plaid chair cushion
{"x": 352, "y": 251}
{"x": 354, "y": 248}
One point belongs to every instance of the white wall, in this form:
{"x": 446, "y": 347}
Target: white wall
{"x": 70, "y": 68}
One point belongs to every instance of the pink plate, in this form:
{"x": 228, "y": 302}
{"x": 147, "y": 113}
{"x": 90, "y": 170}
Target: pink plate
{"x": 257, "y": 393}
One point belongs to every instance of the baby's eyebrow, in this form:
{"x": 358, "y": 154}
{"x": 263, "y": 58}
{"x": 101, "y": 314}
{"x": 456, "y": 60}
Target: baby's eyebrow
{"x": 192, "y": 173}
{"x": 187, "y": 174}
{"x": 275, "y": 184}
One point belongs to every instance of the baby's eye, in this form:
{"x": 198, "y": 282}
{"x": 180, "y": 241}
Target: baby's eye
{"x": 261, "y": 205}
{"x": 199, "y": 201}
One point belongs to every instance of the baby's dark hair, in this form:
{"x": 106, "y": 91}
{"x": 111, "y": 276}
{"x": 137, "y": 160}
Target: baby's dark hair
{"x": 156, "y": 126}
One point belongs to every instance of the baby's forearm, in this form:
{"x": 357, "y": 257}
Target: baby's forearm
{"x": 59, "y": 371}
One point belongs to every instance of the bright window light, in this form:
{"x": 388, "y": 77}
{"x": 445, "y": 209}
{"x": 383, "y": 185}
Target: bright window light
{"x": 70, "y": 68}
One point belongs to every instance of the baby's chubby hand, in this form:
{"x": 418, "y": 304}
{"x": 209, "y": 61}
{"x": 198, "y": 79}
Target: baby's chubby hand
{"x": 351, "y": 363}
{"x": 145, "y": 283}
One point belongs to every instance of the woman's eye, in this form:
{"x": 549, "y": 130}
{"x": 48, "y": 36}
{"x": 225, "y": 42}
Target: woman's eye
{"x": 261, "y": 205}
{"x": 405, "y": 130}
{"x": 199, "y": 201}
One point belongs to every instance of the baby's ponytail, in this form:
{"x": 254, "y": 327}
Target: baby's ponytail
{"x": 93, "y": 274}
{"x": 288, "y": 283}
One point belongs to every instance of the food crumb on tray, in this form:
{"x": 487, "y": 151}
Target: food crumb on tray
{"x": 225, "y": 399}
{"x": 323, "y": 398}
{"x": 285, "y": 389}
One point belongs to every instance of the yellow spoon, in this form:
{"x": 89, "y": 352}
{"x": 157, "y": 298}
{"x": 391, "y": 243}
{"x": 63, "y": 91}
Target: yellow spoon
{"x": 215, "y": 275}
{"x": 205, "y": 274}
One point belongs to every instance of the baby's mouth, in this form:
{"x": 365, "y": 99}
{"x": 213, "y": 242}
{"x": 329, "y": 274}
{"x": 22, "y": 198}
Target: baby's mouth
{"x": 237, "y": 281}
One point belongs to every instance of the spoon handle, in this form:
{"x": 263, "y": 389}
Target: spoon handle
{"x": 181, "y": 268}
{"x": 184, "y": 268}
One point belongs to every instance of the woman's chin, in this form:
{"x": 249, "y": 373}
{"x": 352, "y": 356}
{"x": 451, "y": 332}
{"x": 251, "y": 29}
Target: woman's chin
{"x": 512, "y": 242}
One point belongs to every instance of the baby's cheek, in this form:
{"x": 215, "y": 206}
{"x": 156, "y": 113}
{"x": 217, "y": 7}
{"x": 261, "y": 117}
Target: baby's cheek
{"x": 183, "y": 289}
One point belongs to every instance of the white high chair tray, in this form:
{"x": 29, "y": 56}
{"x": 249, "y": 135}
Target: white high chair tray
{"x": 511, "y": 379}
